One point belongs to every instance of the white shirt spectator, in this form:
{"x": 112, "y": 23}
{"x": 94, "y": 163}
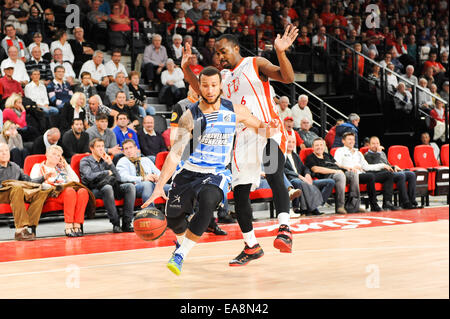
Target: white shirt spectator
{"x": 111, "y": 69}
{"x": 37, "y": 93}
{"x": 352, "y": 158}
{"x": 97, "y": 73}
{"x": 298, "y": 114}
{"x": 66, "y": 50}
{"x": 392, "y": 82}
{"x": 20, "y": 71}
{"x": 424, "y": 97}
{"x": 285, "y": 113}
{"x": 69, "y": 72}
{"x": 177, "y": 77}
{"x": 43, "y": 46}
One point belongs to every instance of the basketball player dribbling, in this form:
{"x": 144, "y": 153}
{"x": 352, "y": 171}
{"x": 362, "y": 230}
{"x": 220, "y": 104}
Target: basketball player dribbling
{"x": 246, "y": 81}
{"x": 204, "y": 142}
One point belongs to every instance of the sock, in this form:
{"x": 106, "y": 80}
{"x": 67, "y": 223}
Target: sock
{"x": 250, "y": 238}
{"x": 283, "y": 219}
{"x": 185, "y": 247}
{"x": 180, "y": 238}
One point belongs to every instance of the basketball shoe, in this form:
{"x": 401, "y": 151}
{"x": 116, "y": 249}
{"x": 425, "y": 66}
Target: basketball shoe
{"x": 175, "y": 263}
{"x": 283, "y": 241}
{"x": 247, "y": 255}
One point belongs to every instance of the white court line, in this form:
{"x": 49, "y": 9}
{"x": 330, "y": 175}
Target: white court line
{"x": 217, "y": 256}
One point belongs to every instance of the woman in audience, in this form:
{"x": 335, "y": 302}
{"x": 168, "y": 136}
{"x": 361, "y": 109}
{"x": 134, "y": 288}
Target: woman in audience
{"x": 12, "y": 138}
{"x": 64, "y": 45}
{"x": 119, "y": 27}
{"x": 15, "y": 112}
{"x": 174, "y": 88}
{"x": 74, "y": 202}
{"x": 137, "y": 93}
{"x": 73, "y": 110}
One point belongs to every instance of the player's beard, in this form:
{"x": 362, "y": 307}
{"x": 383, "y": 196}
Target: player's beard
{"x": 215, "y": 100}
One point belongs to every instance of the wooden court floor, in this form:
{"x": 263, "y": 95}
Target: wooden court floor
{"x": 399, "y": 261}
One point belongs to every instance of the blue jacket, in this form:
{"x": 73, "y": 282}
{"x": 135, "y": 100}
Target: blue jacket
{"x": 340, "y": 130}
{"x": 130, "y": 134}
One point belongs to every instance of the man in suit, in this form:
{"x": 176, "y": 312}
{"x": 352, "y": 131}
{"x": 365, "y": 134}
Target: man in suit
{"x": 50, "y": 137}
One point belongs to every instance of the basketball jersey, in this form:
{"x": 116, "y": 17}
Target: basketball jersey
{"x": 209, "y": 150}
{"x": 242, "y": 85}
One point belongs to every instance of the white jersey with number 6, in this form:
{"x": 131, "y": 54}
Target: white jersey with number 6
{"x": 242, "y": 85}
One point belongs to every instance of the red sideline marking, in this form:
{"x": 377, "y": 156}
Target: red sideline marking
{"x": 90, "y": 244}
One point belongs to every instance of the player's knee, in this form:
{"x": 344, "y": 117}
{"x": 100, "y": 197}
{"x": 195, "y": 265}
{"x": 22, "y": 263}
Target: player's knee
{"x": 177, "y": 224}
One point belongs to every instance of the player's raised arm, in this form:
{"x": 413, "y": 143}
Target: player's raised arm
{"x": 244, "y": 116}
{"x": 185, "y": 127}
{"x": 284, "y": 72}
{"x": 189, "y": 76}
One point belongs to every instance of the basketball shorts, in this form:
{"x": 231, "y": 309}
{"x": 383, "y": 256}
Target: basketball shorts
{"x": 187, "y": 185}
{"x": 247, "y": 161}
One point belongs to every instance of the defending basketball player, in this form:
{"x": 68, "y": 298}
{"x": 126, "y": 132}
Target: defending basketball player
{"x": 204, "y": 143}
{"x": 246, "y": 81}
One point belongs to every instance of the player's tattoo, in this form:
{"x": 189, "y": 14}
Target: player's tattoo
{"x": 184, "y": 133}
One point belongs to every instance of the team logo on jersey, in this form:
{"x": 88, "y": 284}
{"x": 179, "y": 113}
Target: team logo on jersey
{"x": 227, "y": 118}
{"x": 233, "y": 87}
{"x": 174, "y": 117}
{"x": 177, "y": 199}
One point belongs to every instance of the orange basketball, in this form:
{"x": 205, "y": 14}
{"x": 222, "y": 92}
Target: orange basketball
{"x": 149, "y": 224}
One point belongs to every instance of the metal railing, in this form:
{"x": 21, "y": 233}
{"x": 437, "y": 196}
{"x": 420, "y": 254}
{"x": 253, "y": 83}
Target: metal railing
{"x": 383, "y": 81}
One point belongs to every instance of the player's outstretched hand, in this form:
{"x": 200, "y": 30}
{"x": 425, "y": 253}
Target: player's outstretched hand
{"x": 187, "y": 53}
{"x": 157, "y": 192}
{"x": 282, "y": 43}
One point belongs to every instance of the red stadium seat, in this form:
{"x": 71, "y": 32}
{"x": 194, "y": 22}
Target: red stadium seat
{"x": 399, "y": 155}
{"x": 333, "y": 151}
{"x": 364, "y": 149}
{"x": 160, "y": 158}
{"x": 444, "y": 155}
{"x": 30, "y": 160}
{"x": 75, "y": 162}
{"x": 439, "y": 175}
{"x": 304, "y": 153}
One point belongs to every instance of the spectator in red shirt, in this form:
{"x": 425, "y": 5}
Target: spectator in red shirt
{"x": 341, "y": 17}
{"x": 329, "y": 138}
{"x": 205, "y": 23}
{"x": 303, "y": 41}
{"x": 182, "y": 25}
{"x": 8, "y": 84}
{"x": 162, "y": 14}
{"x": 289, "y": 126}
{"x": 327, "y": 16}
{"x": 431, "y": 62}
{"x": 359, "y": 61}
{"x": 195, "y": 67}
{"x": 267, "y": 27}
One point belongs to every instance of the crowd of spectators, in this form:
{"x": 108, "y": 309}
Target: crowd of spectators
{"x": 60, "y": 94}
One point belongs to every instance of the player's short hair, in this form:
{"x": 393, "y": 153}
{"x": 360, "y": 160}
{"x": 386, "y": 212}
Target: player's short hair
{"x": 210, "y": 71}
{"x": 230, "y": 38}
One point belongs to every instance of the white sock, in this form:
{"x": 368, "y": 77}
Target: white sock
{"x": 250, "y": 238}
{"x": 283, "y": 218}
{"x": 185, "y": 247}
{"x": 180, "y": 238}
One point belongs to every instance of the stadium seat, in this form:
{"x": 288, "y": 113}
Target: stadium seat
{"x": 75, "y": 162}
{"x": 333, "y": 151}
{"x": 160, "y": 158}
{"x": 304, "y": 153}
{"x": 258, "y": 196}
{"x": 364, "y": 149}
{"x": 30, "y": 160}
{"x": 444, "y": 155}
{"x": 438, "y": 181}
{"x": 399, "y": 155}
